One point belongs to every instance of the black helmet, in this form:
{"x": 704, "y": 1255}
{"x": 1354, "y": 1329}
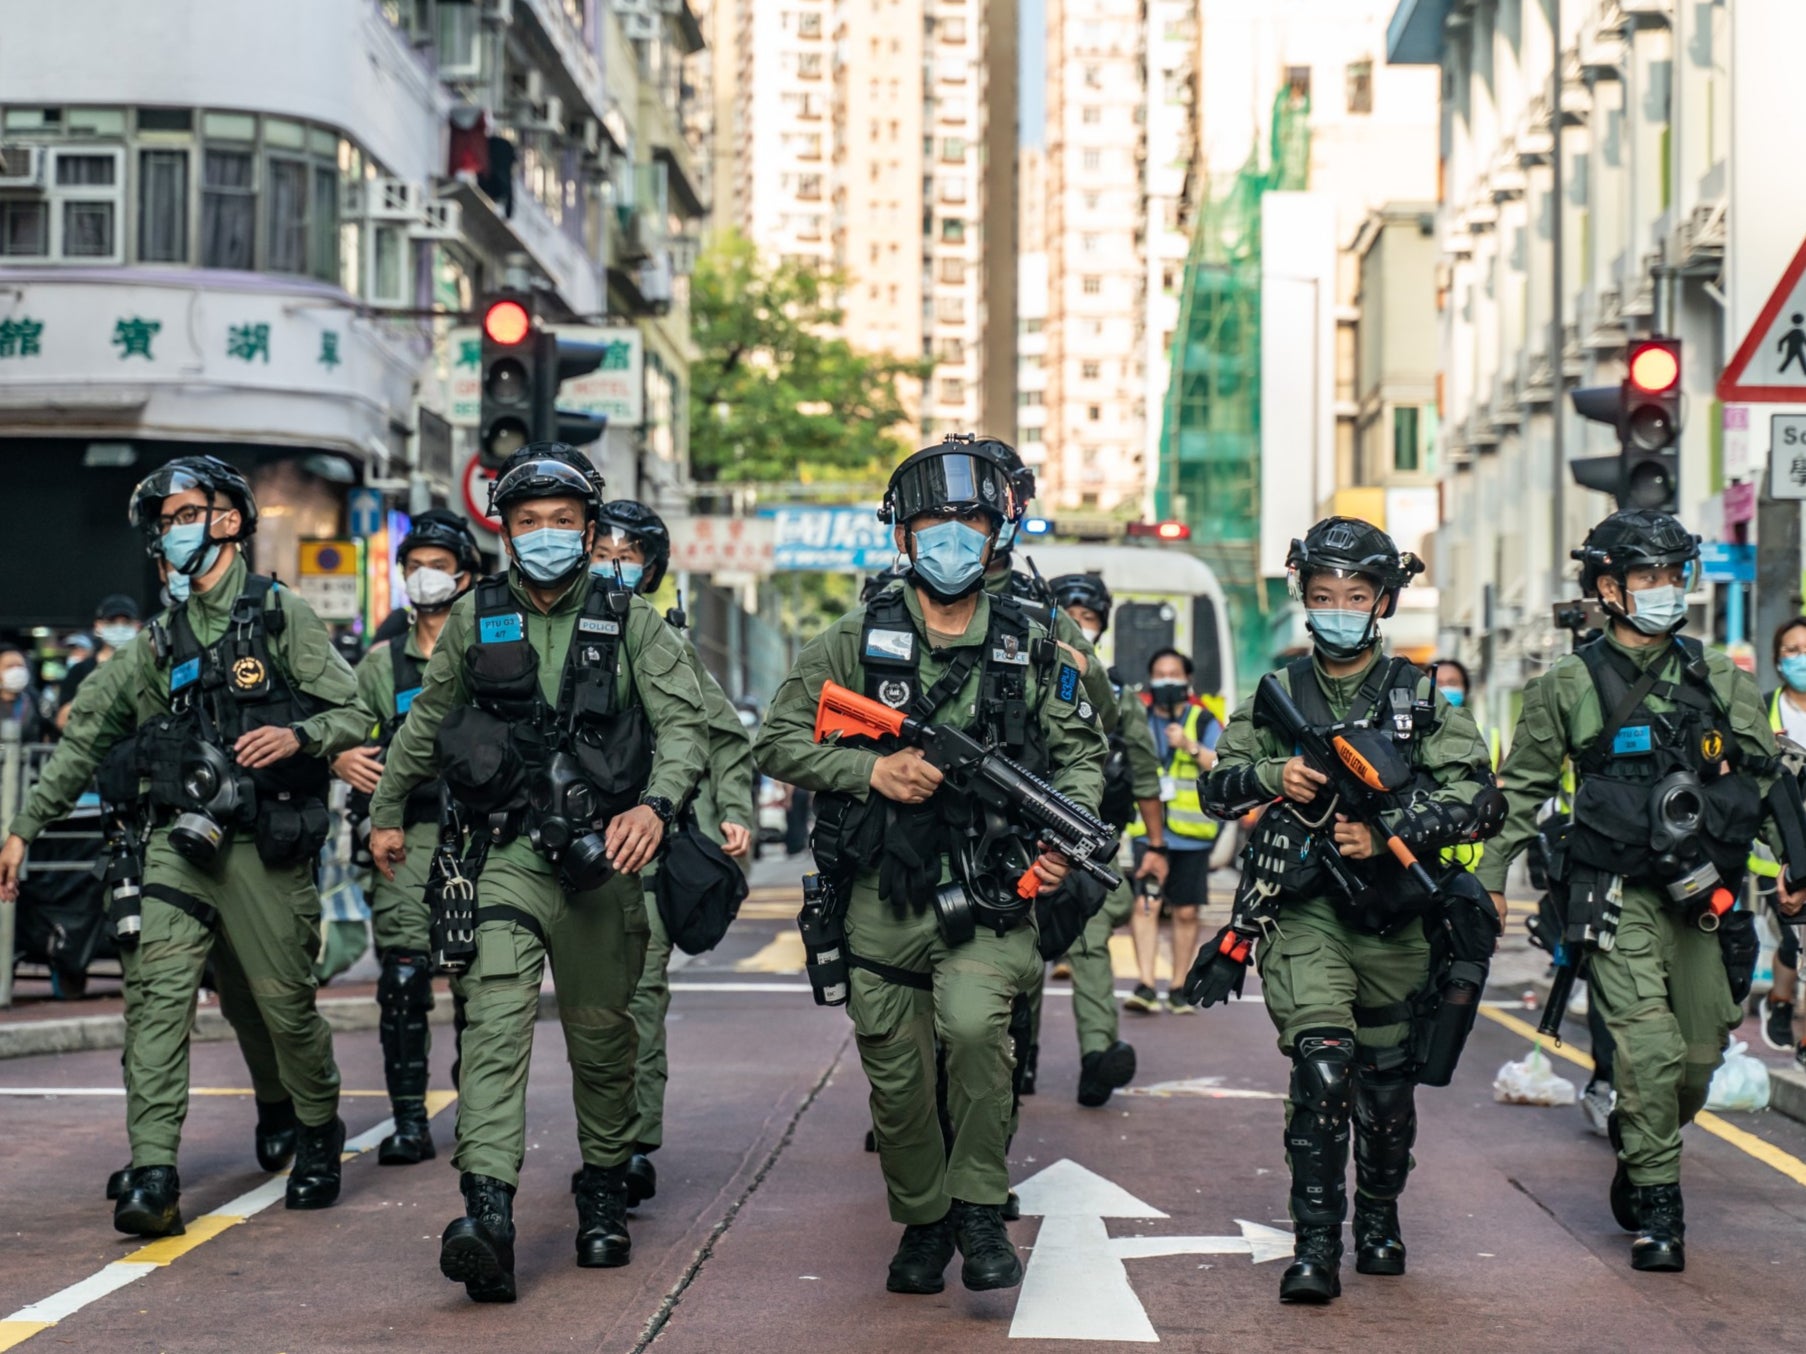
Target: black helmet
{"x": 644, "y": 528}
{"x": 1347, "y": 546}
{"x": 1086, "y": 590}
{"x": 956, "y": 476}
{"x": 1636, "y": 538}
{"x": 445, "y": 529}
{"x": 546, "y": 470}
{"x": 208, "y": 473}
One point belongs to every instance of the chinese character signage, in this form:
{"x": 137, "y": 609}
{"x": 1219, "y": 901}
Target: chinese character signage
{"x": 615, "y": 389}
{"x": 835, "y": 540}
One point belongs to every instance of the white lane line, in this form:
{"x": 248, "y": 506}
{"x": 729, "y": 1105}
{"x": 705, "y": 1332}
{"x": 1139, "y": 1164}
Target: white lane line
{"x": 78, "y": 1295}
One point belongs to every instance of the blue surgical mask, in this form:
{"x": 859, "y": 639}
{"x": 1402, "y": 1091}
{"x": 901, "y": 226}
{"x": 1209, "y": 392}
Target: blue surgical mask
{"x": 1659, "y": 610}
{"x": 1454, "y": 695}
{"x": 182, "y": 543}
{"x": 549, "y": 554}
{"x": 631, "y": 573}
{"x": 1341, "y": 633}
{"x": 950, "y": 558}
{"x": 178, "y": 586}
{"x": 1793, "y": 671}
{"x": 116, "y": 636}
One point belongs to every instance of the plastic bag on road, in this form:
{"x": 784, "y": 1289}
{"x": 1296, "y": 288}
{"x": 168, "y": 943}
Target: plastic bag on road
{"x": 1532, "y": 1081}
{"x": 1741, "y": 1082}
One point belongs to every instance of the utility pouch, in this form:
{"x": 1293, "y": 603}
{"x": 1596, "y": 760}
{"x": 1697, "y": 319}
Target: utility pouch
{"x": 290, "y": 830}
{"x": 481, "y": 762}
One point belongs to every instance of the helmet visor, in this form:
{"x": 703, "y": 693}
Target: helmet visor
{"x": 147, "y": 498}
{"x": 955, "y": 482}
{"x": 543, "y": 479}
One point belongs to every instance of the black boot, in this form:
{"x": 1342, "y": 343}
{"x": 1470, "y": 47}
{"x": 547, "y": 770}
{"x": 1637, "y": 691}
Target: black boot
{"x": 1317, "y": 1134}
{"x": 314, "y": 1181}
{"x": 1623, "y": 1194}
{"x": 642, "y": 1179}
{"x": 412, "y": 1140}
{"x": 404, "y": 996}
{"x": 602, "y": 1240}
{"x": 118, "y": 1182}
{"x": 150, "y": 1202}
{"x": 1104, "y": 1070}
{"x": 1385, "y": 1124}
{"x": 477, "y": 1249}
{"x": 921, "y": 1258}
{"x": 990, "y": 1259}
{"x": 276, "y": 1130}
{"x": 1662, "y": 1232}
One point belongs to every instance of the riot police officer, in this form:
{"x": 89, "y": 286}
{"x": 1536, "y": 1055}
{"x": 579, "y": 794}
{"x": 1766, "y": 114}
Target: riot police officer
{"x": 941, "y": 649}
{"x": 633, "y": 544}
{"x": 236, "y": 699}
{"x": 1131, "y": 786}
{"x": 439, "y": 563}
{"x": 1345, "y": 940}
{"x": 1666, "y": 737}
{"x": 554, "y": 764}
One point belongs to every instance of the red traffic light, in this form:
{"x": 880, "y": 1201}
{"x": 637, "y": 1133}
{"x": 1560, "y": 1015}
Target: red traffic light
{"x": 1160, "y": 531}
{"x": 1655, "y": 367}
{"x": 507, "y": 322}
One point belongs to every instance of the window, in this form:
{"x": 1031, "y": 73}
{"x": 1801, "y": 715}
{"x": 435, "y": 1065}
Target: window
{"x": 808, "y": 186}
{"x": 953, "y": 391}
{"x": 1092, "y": 286}
{"x": 1093, "y": 78}
{"x": 953, "y": 230}
{"x": 1360, "y": 86}
{"x": 1033, "y": 326}
{"x": 951, "y": 270}
{"x": 1028, "y": 399}
{"x": 228, "y": 208}
{"x": 953, "y": 149}
{"x": 950, "y": 309}
{"x": 950, "y": 350}
{"x": 953, "y": 188}
{"x": 1405, "y": 451}
{"x": 1032, "y": 434}
{"x": 286, "y": 213}
{"x": 460, "y": 40}
{"x": 1091, "y": 115}
{"x": 1088, "y": 371}
{"x": 163, "y": 206}
{"x": 1090, "y": 202}
{"x": 86, "y": 202}
{"x": 24, "y": 229}
{"x": 808, "y": 65}
{"x": 1088, "y": 244}
{"x": 1094, "y": 413}
{"x": 808, "y": 25}
{"x": 1298, "y": 81}
{"x": 953, "y": 29}
{"x": 1093, "y": 159}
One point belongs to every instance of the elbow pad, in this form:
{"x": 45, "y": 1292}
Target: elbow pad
{"x": 1232, "y": 791}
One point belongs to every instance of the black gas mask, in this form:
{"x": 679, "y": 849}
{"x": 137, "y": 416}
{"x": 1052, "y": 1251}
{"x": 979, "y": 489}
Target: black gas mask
{"x": 219, "y": 796}
{"x": 568, "y": 814}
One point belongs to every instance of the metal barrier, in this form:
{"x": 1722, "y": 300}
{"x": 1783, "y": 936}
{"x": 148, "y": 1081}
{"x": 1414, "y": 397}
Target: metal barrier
{"x": 20, "y": 766}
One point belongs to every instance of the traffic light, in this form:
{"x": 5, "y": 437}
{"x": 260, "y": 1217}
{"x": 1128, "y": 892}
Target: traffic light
{"x": 510, "y": 343}
{"x": 559, "y": 360}
{"x": 1645, "y": 411}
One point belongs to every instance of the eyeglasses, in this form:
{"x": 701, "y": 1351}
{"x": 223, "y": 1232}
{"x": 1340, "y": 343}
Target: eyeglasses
{"x": 185, "y": 516}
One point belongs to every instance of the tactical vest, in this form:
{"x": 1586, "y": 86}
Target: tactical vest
{"x": 1641, "y": 757}
{"x": 494, "y": 752}
{"x": 1032, "y": 595}
{"x": 220, "y": 691}
{"x": 422, "y": 805}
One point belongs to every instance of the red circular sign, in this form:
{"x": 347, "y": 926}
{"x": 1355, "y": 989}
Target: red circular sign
{"x": 477, "y": 480}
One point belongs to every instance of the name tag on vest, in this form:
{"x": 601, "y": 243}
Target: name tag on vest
{"x": 184, "y": 674}
{"x": 592, "y": 625}
{"x": 896, "y": 645}
{"x": 499, "y": 629}
{"x": 1017, "y": 656}
{"x": 1632, "y": 740}
{"x": 404, "y": 700}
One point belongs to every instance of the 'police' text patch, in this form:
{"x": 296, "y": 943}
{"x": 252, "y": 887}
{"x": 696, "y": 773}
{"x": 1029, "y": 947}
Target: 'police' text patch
{"x": 592, "y": 625}
{"x": 1069, "y": 682}
{"x": 499, "y": 629}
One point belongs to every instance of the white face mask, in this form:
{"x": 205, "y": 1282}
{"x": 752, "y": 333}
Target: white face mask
{"x": 431, "y": 587}
{"x": 1091, "y": 633}
{"x": 15, "y": 680}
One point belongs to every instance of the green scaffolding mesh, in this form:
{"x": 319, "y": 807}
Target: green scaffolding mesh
{"x": 1209, "y": 473}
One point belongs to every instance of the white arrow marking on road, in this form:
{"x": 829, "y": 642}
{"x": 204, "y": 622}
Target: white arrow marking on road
{"x": 1077, "y": 1287}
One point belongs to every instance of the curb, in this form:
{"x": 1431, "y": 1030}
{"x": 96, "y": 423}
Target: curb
{"x": 1787, "y": 1092}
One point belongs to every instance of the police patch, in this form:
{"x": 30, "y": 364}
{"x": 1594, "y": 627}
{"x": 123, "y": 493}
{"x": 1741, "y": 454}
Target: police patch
{"x": 499, "y": 629}
{"x": 894, "y": 694}
{"x": 1085, "y": 710}
{"x": 404, "y": 700}
{"x": 1068, "y": 682}
{"x": 594, "y": 625}
{"x": 898, "y": 646}
{"x": 1711, "y": 745}
{"x": 185, "y": 674}
{"x": 1632, "y": 740}
{"x": 247, "y": 673}
{"x": 1010, "y": 653}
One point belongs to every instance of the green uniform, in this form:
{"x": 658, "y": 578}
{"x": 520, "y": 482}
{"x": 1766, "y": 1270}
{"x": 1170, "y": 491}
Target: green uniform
{"x": 1661, "y": 988}
{"x": 596, "y": 940}
{"x": 268, "y": 916}
{"x": 724, "y": 794}
{"x": 398, "y": 910}
{"x": 1320, "y": 968}
{"x": 974, "y": 984}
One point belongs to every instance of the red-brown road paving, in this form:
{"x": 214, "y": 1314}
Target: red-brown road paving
{"x": 769, "y": 1231}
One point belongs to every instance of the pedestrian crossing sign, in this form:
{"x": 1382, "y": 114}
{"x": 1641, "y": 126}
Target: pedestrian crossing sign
{"x": 1769, "y": 366}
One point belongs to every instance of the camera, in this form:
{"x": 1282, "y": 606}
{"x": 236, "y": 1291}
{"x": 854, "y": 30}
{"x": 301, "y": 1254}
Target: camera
{"x": 217, "y": 798}
{"x": 123, "y": 882}
{"x": 567, "y": 810}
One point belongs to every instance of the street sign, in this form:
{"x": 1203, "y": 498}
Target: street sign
{"x": 1787, "y": 456}
{"x": 476, "y": 480}
{"x": 1077, "y": 1287}
{"x": 833, "y": 540}
{"x": 712, "y": 545}
{"x": 1769, "y": 366}
{"x": 1723, "y": 562}
{"x": 327, "y": 579}
{"x": 364, "y": 509}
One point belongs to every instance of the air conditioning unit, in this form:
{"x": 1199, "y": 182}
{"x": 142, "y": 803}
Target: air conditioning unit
{"x": 21, "y": 166}
{"x": 543, "y": 117}
{"x": 655, "y": 280}
{"x": 392, "y": 200}
{"x": 439, "y": 220}
{"x": 533, "y": 87}
{"x": 590, "y": 132}
{"x": 640, "y": 27}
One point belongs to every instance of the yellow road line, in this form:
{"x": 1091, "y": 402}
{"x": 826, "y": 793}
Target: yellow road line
{"x": 147, "y": 1259}
{"x": 1743, "y": 1140}
{"x": 784, "y": 954}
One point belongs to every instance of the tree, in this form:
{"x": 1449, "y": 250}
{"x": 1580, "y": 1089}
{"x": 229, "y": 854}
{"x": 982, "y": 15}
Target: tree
{"x": 775, "y": 397}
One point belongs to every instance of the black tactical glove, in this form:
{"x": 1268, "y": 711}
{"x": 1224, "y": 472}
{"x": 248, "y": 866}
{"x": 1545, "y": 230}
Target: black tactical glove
{"x": 1738, "y": 944}
{"x": 1219, "y": 969}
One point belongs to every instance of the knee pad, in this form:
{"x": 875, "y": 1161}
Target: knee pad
{"x": 1383, "y": 1100}
{"x": 406, "y": 984}
{"x": 1323, "y": 1072}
